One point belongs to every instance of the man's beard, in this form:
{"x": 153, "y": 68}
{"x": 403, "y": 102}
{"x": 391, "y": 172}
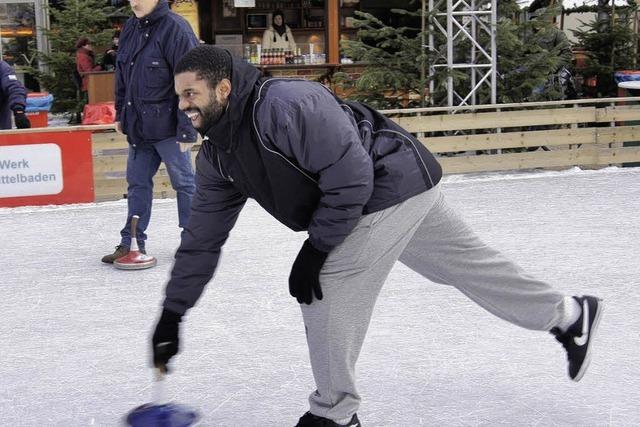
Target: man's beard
{"x": 210, "y": 115}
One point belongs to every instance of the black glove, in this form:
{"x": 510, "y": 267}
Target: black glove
{"x": 21, "y": 119}
{"x": 165, "y": 340}
{"x": 304, "y": 280}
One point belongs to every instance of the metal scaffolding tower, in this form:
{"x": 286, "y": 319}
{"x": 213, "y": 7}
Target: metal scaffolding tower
{"x": 468, "y": 46}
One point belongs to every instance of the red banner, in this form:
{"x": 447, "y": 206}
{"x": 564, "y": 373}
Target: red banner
{"x": 45, "y": 168}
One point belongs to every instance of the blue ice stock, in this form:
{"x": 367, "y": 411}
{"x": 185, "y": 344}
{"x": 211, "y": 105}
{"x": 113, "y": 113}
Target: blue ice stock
{"x": 165, "y": 415}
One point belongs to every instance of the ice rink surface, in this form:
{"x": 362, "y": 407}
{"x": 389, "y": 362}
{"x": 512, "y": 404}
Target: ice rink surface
{"x": 75, "y": 332}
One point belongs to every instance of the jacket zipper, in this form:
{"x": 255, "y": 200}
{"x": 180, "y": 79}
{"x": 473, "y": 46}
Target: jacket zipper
{"x": 222, "y": 174}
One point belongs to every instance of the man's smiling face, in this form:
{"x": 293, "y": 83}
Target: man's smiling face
{"x": 202, "y": 104}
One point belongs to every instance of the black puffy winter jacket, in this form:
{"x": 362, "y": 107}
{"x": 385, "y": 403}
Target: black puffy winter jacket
{"x": 311, "y": 160}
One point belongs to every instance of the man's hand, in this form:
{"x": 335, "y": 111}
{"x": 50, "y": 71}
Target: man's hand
{"x": 21, "y": 119}
{"x": 118, "y": 127}
{"x": 165, "y": 342}
{"x": 304, "y": 280}
{"x": 184, "y": 146}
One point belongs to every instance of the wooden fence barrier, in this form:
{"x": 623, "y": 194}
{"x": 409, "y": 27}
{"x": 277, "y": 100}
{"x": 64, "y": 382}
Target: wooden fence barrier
{"x": 110, "y": 164}
{"x": 586, "y": 132}
{"x": 589, "y": 132}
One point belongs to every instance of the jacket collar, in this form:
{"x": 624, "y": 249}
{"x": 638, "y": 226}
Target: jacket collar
{"x": 159, "y": 12}
{"x": 225, "y": 132}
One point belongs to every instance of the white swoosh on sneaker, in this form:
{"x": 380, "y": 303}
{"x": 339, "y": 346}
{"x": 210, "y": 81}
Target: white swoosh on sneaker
{"x": 582, "y": 339}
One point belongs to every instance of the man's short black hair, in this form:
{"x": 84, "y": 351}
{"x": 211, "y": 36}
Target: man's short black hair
{"x": 208, "y": 62}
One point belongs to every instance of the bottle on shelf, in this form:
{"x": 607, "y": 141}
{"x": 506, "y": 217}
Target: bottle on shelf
{"x": 255, "y": 49}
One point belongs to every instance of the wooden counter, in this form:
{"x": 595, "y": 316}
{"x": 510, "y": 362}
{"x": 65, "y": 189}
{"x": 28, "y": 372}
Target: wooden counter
{"x": 309, "y": 71}
{"x": 101, "y": 86}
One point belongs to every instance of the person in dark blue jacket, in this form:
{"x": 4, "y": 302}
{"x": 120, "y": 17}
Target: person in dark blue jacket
{"x": 366, "y": 191}
{"x": 13, "y": 99}
{"x": 150, "y": 46}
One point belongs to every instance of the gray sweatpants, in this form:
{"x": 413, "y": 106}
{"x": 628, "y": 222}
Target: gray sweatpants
{"x": 431, "y": 239}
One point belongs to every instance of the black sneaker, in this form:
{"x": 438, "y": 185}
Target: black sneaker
{"x": 310, "y": 420}
{"x": 578, "y": 339}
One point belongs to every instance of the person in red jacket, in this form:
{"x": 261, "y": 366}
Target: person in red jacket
{"x": 85, "y": 60}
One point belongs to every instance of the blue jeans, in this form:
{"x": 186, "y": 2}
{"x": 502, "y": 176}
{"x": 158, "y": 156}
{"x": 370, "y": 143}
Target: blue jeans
{"x": 142, "y": 164}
